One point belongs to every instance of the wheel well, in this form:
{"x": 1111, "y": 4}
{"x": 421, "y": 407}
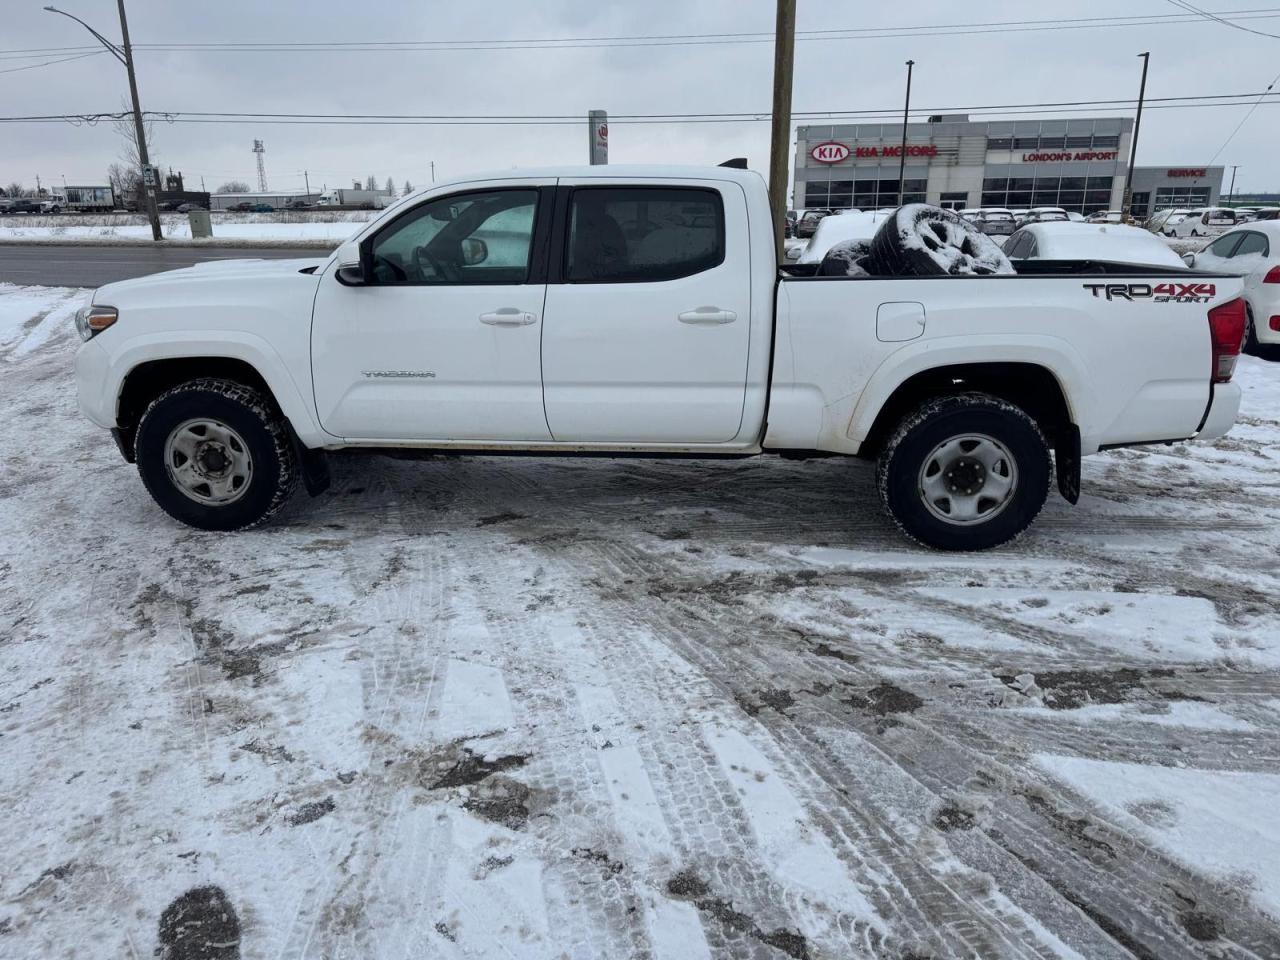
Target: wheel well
{"x": 148, "y": 380}
{"x": 1033, "y": 388}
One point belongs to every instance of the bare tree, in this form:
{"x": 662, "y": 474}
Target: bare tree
{"x": 391, "y": 187}
{"x": 233, "y": 186}
{"x": 408, "y": 188}
{"x": 124, "y": 180}
{"x": 371, "y": 183}
{"x": 14, "y": 190}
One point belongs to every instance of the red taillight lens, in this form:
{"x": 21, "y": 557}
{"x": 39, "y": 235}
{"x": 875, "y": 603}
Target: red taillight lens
{"x": 1226, "y": 333}
{"x": 1273, "y": 276}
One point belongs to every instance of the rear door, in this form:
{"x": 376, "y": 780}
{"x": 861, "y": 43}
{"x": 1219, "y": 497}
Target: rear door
{"x": 648, "y": 312}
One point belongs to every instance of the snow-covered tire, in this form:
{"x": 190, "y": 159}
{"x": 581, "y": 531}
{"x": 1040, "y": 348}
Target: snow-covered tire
{"x": 848, "y": 258}
{"x": 258, "y": 433}
{"x": 1016, "y": 455}
{"x": 919, "y": 240}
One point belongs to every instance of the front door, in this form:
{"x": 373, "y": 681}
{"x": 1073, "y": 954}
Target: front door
{"x": 647, "y": 328}
{"x": 443, "y": 343}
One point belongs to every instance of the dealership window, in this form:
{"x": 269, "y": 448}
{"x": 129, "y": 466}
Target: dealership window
{"x": 995, "y": 184}
{"x": 1140, "y": 202}
{"x": 1167, "y": 197}
{"x": 954, "y": 201}
{"x": 1026, "y": 143}
{"x": 1080, "y": 143}
{"x": 1106, "y": 143}
{"x": 999, "y": 143}
{"x": 841, "y": 193}
{"x": 1052, "y": 143}
{"x": 816, "y": 193}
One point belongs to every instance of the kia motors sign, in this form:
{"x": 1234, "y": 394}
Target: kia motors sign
{"x": 913, "y": 150}
{"x": 829, "y": 152}
{"x": 1188, "y": 172}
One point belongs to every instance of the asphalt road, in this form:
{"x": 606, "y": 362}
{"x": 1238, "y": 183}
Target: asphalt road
{"x": 92, "y": 266}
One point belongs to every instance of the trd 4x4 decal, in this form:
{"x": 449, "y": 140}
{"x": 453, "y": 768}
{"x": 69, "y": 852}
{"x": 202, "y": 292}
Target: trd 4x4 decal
{"x": 1160, "y": 293}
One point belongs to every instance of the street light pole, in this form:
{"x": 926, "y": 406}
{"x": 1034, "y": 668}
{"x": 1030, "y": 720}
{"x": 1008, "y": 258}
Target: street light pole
{"x": 125, "y": 55}
{"x": 1231, "y": 194}
{"x": 1127, "y": 199}
{"x": 902, "y": 158}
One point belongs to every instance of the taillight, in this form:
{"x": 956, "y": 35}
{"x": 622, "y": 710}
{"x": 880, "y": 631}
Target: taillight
{"x": 1226, "y": 333}
{"x": 1273, "y": 276}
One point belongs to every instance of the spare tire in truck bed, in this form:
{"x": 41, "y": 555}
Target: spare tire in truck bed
{"x": 919, "y": 240}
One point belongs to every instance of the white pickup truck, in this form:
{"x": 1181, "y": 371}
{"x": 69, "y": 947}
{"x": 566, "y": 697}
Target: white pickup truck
{"x": 641, "y": 311}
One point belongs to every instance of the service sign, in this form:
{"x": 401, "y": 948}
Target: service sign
{"x": 829, "y": 152}
{"x": 1188, "y": 172}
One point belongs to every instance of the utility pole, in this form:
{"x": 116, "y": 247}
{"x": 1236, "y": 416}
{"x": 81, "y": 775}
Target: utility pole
{"x": 307, "y": 180}
{"x": 1231, "y": 194}
{"x": 1127, "y": 202}
{"x": 433, "y": 171}
{"x": 784, "y": 48}
{"x": 125, "y": 55}
{"x": 902, "y": 157}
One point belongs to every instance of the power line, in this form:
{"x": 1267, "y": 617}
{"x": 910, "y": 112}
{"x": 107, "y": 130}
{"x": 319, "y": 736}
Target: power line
{"x": 810, "y": 116}
{"x": 48, "y": 63}
{"x": 1218, "y": 18}
{"x": 1189, "y": 15}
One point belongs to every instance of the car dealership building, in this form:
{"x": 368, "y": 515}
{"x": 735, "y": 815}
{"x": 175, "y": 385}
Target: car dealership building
{"x": 1077, "y": 164}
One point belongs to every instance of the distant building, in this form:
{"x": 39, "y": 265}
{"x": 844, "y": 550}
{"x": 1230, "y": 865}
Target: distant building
{"x": 951, "y": 161}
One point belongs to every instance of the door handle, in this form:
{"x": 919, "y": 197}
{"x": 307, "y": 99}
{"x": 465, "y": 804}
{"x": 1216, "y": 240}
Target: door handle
{"x": 708, "y": 315}
{"x": 508, "y": 317}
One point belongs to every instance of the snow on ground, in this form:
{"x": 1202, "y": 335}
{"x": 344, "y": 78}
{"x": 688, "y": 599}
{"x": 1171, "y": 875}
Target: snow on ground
{"x": 549, "y": 708}
{"x": 309, "y": 226}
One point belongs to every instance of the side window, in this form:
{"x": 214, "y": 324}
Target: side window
{"x": 1018, "y": 249}
{"x": 1253, "y": 243}
{"x": 1029, "y": 248}
{"x": 464, "y": 238}
{"x": 1223, "y": 246}
{"x": 643, "y": 234}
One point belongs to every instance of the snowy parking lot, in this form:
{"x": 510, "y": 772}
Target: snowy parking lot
{"x": 540, "y": 708}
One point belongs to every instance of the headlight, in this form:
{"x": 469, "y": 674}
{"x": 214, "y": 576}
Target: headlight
{"x": 92, "y": 319}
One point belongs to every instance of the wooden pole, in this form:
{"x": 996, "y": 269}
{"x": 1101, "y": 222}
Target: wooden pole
{"x": 784, "y": 45}
{"x": 902, "y": 159}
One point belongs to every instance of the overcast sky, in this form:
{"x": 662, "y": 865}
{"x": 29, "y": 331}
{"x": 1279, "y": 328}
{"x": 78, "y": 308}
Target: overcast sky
{"x": 951, "y": 71}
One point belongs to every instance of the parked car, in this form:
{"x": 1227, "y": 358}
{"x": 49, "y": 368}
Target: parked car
{"x": 836, "y": 228}
{"x": 1105, "y": 216}
{"x": 1102, "y": 242}
{"x": 188, "y": 207}
{"x": 1244, "y": 214}
{"x": 808, "y": 222}
{"x": 1163, "y": 221}
{"x": 1266, "y": 213}
{"x": 1044, "y": 215}
{"x": 1254, "y": 252}
{"x": 228, "y": 382}
{"x": 24, "y": 205}
{"x": 1075, "y": 217}
{"x": 1205, "y": 222}
{"x": 995, "y": 221}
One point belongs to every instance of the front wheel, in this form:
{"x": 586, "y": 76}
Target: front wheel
{"x": 216, "y": 455}
{"x": 965, "y": 472}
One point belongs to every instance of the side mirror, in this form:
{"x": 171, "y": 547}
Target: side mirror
{"x": 474, "y": 251}
{"x": 352, "y": 270}
{"x": 350, "y": 275}
{"x": 1189, "y": 259}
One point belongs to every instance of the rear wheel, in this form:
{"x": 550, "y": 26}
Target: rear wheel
{"x": 1251, "y": 344}
{"x": 215, "y": 455}
{"x": 965, "y": 472}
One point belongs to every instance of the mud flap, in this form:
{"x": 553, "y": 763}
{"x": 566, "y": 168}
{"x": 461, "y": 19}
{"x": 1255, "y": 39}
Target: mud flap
{"x": 313, "y": 465}
{"x": 1066, "y": 461}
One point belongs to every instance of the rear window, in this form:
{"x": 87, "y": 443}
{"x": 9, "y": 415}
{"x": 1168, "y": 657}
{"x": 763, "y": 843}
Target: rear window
{"x": 643, "y": 234}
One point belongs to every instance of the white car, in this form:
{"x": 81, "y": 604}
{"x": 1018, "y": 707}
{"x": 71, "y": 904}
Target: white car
{"x": 615, "y": 310}
{"x": 1105, "y": 216}
{"x": 1102, "y": 242}
{"x": 1163, "y": 221}
{"x": 1252, "y": 250}
{"x": 996, "y": 221}
{"x": 1205, "y": 222}
{"x": 1044, "y": 215}
{"x": 836, "y": 229}
{"x": 1075, "y": 217}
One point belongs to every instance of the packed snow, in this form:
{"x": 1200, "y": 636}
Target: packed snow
{"x": 327, "y": 228}
{"x": 549, "y": 708}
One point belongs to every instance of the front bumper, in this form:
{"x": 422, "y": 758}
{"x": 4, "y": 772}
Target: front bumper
{"x": 94, "y": 393}
{"x": 1222, "y": 411}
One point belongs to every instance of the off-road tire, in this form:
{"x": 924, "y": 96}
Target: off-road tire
{"x": 900, "y": 463}
{"x": 253, "y": 417}
{"x": 976, "y": 252}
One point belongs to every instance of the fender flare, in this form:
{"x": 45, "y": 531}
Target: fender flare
{"x": 231, "y": 345}
{"x": 1053, "y": 354}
